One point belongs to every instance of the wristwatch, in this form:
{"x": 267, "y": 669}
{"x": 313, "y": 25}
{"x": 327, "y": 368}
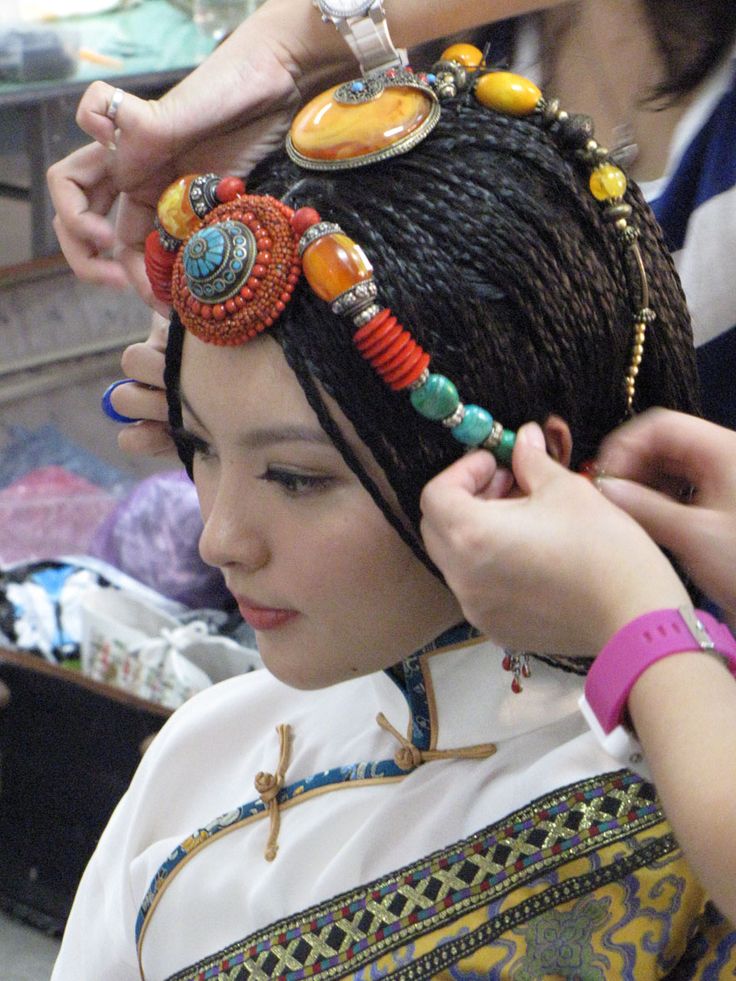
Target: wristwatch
{"x": 363, "y": 25}
{"x": 629, "y": 653}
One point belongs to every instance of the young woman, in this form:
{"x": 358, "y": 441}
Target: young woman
{"x": 384, "y": 801}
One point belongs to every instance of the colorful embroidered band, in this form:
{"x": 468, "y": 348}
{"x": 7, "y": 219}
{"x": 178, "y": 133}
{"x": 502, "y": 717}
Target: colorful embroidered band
{"x": 229, "y": 261}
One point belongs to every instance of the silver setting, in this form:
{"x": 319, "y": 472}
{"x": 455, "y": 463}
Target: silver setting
{"x": 646, "y": 316}
{"x": 169, "y": 242}
{"x": 314, "y": 232}
{"x": 361, "y": 90}
{"x": 365, "y": 316}
{"x": 352, "y": 301}
{"x": 202, "y": 194}
{"x": 493, "y": 439}
{"x": 456, "y": 418}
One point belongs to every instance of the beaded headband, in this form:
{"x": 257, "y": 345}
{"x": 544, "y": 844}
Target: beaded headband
{"x": 229, "y": 261}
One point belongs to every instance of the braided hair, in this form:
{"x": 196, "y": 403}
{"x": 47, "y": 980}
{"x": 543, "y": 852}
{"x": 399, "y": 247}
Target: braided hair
{"x": 488, "y": 246}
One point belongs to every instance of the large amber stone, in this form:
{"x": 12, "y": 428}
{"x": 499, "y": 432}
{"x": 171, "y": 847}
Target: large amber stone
{"x": 329, "y": 130}
{"x": 508, "y": 93}
{"x": 334, "y": 263}
{"x": 175, "y": 210}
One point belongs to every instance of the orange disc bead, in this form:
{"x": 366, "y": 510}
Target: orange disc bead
{"x": 508, "y": 92}
{"x": 334, "y": 263}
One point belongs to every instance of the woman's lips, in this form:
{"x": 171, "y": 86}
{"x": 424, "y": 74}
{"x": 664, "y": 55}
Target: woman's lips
{"x": 263, "y": 617}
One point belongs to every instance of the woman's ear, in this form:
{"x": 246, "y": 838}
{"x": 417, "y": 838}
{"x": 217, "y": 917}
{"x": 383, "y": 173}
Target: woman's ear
{"x": 559, "y": 439}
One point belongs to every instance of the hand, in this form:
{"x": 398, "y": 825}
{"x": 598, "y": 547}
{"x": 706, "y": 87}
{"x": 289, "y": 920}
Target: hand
{"x": 227, "y": 115}
{"x": 553, "y": 567}
{"x": 146, "y": 398}
{"x": 677, "y": 476}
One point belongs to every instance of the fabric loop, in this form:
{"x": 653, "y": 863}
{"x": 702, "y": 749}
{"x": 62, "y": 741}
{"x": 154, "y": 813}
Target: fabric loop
{"x": 408, "y": 756}
{"x": 268, "y": 786}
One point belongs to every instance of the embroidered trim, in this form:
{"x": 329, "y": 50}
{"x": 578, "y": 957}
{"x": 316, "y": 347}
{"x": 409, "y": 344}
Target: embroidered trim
{"x": 351, "y": 929}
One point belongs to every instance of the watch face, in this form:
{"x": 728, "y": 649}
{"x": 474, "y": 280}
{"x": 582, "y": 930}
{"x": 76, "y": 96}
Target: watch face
{"x": 344, "y": 8}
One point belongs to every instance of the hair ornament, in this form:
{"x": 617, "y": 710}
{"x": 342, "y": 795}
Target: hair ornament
{"x": 229, "y": 261}
{"x": 234, "y": 262}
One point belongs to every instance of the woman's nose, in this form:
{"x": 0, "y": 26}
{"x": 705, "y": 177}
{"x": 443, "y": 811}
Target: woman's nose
{"x": 233, "y": 533}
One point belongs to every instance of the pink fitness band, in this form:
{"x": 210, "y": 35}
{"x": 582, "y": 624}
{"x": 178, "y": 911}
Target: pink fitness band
{"x": 631, "y": 651}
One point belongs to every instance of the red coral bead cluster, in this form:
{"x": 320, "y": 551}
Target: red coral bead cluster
{"x": 272, "y": 279}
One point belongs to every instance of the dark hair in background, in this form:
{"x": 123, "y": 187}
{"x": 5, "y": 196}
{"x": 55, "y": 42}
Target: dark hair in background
{"x": 488, "y": 245}
{"x": 692, "y": 37}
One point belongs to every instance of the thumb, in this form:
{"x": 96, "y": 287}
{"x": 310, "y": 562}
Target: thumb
{"x": 531, "y": 465}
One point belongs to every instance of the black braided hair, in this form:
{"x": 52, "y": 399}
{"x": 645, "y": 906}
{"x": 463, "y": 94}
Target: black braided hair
{"x": 489, "y": 247}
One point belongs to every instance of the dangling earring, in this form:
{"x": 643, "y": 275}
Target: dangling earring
{"x": 518, "y": 663}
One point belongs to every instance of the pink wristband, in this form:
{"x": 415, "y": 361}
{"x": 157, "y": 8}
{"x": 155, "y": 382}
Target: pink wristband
{"x": 640, "y": 644}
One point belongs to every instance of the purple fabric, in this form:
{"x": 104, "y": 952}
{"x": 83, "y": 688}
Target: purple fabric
{"x": 152, "y": 536}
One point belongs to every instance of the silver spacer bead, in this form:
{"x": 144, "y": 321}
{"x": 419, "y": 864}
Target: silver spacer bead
{"x": 456, "y": 418}
{"x": 352, "y": 301}
{"x": 314, "y": 232}
{"x": 365, "y": 316}
{"x": 494, "y": 437}
{"x": 202, "y": 194}
{"x": 421, "y": 380}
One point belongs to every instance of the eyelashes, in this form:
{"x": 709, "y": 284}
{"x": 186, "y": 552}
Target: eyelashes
{"x": 293, "y": 482}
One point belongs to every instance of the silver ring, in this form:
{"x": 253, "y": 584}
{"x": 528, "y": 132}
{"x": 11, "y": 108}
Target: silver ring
{"x": 115, "y": 100}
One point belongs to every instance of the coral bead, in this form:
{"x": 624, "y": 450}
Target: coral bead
{"x": 303, "y": 219}
{"x": 608, "y": 183}
{"x": 175, "y": 211}
{"x": 466, "y": 55}
{"x": 229, "y": 188}
{"x": 507, "y": 92}
{"x": 334, "y": 263}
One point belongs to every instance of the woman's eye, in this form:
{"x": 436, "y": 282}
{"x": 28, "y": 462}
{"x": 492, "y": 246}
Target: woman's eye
{"x": 294, "y": 483}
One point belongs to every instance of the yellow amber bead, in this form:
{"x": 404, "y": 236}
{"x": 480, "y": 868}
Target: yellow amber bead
{"x": 466, "y": 55}
{"x": 175, "y": 211}
{"x": 334, "y": 263}
{"x": 607, "y": 183}
{"x": 508, "y": 92}
{"x": 329, "y": 130}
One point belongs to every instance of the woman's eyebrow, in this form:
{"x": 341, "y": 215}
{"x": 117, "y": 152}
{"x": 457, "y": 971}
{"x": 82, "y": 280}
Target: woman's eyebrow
{"x": 255, "y": 439}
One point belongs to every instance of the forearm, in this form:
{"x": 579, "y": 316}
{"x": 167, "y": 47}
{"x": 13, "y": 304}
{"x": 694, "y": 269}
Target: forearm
{"x": 684, "y": 711}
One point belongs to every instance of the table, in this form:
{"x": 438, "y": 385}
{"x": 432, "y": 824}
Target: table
{"x": 152, "y": 46}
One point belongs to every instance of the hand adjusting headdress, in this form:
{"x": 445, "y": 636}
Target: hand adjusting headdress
{"x": 229, "y": 261}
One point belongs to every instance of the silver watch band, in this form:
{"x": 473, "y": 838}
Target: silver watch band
{"x": 370, "y": 41}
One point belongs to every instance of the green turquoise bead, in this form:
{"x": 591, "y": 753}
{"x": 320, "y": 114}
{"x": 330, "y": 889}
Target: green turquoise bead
{"x": 475, "y": 427}
{"x": 505, "y": 448}
{"x": 436, "y": 399}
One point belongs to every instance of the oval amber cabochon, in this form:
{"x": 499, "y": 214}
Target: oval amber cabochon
{"x": 329, "y": 130}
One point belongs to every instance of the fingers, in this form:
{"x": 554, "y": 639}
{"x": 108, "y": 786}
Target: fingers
{"x": 668, "y": 449}
{"x": 664, "y": 519}
{"x": 136, "y": 401}
{"x": 82, "y": 194}
{"x": 94, "y": 112}
{"x": 147, "y": 438}
{"x": 145, "y": 362}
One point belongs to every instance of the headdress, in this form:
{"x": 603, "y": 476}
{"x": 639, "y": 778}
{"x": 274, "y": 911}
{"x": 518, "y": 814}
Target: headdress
{"x": 229, "y": 261}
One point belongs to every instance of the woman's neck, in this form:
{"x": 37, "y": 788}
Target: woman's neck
{"x": 601, "y": 58}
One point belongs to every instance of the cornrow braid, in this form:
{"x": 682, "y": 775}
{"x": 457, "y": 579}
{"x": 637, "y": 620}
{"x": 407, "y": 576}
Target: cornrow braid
{"x": 487, "y": 244}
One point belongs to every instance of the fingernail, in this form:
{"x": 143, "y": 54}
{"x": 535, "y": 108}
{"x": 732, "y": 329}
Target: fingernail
{"x": 532, "y": 435}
